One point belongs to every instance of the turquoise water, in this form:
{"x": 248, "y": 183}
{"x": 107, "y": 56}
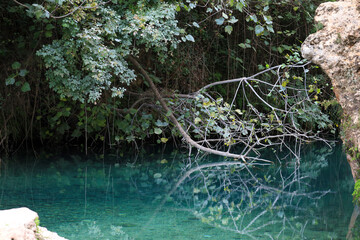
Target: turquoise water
{"x": 116, "y": 197}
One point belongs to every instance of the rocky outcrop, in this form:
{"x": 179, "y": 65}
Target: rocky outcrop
{"x": 20, "y": 224}
{"x": 336, "y": 49}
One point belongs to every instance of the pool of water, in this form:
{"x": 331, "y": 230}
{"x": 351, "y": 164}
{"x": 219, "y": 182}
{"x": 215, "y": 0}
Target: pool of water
{"x": 116, "y": 197}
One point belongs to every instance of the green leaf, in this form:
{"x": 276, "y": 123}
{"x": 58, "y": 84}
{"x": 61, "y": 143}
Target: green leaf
{"x": 300, "y": 111}
{"x": 239, "y": 6}
{"x": 161, "y": 124}
{"x": 60, "y": 2}
{"x": 233, "y": 20}
{"x": 270, "y": 28}
{"x": 25, "y": 87}
{"x": 197, "y": 120}
{"x": 259, "y": 29}
{"x": 133, "y": 110}
{"x": 192, "y": 5}
{"x": 38, "y": 14}
{"x": 16, "y": 65}
{"x": 228, "y": 29}
{"x": 10, "y": 81}
{"x": 195, "y": 24}
{"x": 157, "y": 131}
{"x": 168, "y": 114}
{"x": 157, "y": 175}
{"x": 254, "y": 18}
{"x": 23, "y": 72}
{"x": 145, "y": 125}
{"x": 164, "y": 140}
{"x": 190, "y": 38}
{"x": 271, "y": 116}
{"x": 48, "y": 34}
{"x": 49, "y": 27}
{"x": 238, "y": 111}
{"x": 219, "y": 21}
{"x": 76, "y": 133}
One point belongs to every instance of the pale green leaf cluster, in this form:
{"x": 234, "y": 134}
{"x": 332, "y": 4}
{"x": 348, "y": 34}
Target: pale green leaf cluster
{"x": 90, "y": 57}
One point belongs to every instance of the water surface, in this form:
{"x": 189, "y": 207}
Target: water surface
{"x": 125, "y": 198}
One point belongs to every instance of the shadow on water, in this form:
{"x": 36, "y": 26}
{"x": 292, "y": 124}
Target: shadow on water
{"x": 112, "y": 199}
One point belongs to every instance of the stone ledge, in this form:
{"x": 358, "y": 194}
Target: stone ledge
{"x": 19, "y": 224}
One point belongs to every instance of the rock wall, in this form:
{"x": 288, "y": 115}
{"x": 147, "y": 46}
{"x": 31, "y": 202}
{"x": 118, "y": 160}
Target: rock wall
{"x": 336, "y": 49}
{"x": 19, "y": 224}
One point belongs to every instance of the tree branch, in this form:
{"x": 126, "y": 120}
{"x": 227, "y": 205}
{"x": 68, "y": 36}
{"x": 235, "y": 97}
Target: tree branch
{"x": 187, "y": 138}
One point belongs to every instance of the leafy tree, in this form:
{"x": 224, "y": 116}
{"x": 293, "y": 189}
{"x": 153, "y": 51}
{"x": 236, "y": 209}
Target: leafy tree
{"x": 86, "y": 47}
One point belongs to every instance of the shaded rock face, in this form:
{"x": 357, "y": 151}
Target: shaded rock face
{"x": 336, "y": 49}
{"x": 19, "y": 224}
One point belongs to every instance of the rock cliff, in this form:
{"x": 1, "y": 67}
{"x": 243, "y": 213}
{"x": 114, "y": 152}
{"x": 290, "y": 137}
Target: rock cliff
{"x": 336, "y": 49}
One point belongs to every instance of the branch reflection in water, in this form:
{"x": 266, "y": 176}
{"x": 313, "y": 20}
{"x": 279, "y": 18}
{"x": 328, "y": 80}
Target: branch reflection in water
{"x": 171, "y": 195}
{"x": 255, "y": 199}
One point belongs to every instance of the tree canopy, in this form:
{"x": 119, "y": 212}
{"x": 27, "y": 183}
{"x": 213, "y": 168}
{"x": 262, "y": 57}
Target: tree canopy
{"x": 105, "y": 73}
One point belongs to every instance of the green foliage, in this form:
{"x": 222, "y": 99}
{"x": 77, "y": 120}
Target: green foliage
{"x": 90, "y": 57}
{"x": 234, "y": 123}
{"x": 82, "y": 50}
{"x": 37, "y": 223}
{"x": 356, "y": 193}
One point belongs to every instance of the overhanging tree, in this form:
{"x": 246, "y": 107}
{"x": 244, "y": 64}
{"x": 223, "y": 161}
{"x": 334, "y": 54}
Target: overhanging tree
{"x": 96, "y": 40}
{"x": 100, "y": 44}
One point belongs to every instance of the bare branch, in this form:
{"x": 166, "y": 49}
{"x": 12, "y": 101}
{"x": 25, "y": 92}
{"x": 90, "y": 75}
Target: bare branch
{"x": 21, "y": 4}
{"x": 187, "y": 138}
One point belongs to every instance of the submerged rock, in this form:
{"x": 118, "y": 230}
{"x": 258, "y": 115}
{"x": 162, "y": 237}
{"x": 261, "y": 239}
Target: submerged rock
{"x": 20, "y": 224}
{"x": 336, "y": 49}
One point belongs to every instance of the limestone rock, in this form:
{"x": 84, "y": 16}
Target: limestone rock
{"x": 336, "y": 49}
{"x": 44, "y": 234}
{"x": 19, "y": 224}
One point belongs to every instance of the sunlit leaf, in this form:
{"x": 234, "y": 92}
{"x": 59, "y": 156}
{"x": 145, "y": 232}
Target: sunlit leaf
{"x": 228, "y": 29}
{"x": 197, "y": 120}
{"x": 190, "y": 38}
{"x": 219, "y": 21}
{"x": 157, "y": 175}
{"x": 157, "y": 131}
{"x": 259, "y": 29}
{"x": 10, "y": 81}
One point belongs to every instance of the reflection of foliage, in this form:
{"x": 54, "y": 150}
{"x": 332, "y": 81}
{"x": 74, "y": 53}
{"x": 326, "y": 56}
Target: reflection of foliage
{"x": 118, "y": 231}
{"x": 94, "y": 230}
{"x": 356, "y": 233}
{"x": 245, "y": 199}
{"x": 314, "y": 161}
